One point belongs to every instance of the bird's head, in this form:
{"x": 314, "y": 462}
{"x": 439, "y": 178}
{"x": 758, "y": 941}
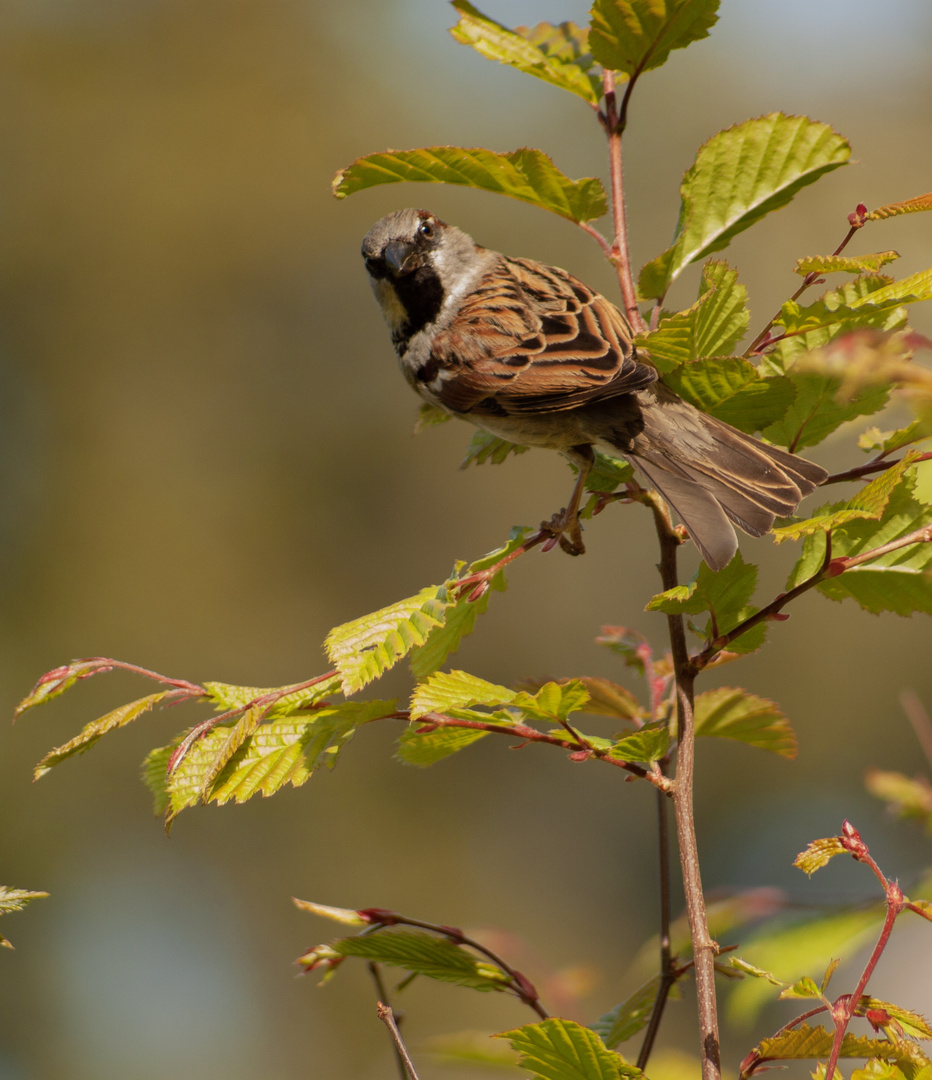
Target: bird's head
{"x": 416, "y": 262}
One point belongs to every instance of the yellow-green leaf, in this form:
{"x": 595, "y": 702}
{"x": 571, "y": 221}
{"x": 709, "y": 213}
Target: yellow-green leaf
{"x": 740, "y": 175}
{"x": 845, "y": 264}
{"x": 91, "y": 732}
{"x": 564, "y": 1050}
{"x": 632, "y": 37}
{"x": 557, "y": 54}
{"x": 525, "y": 174}
{"x": 730, "y": 713}
{"x": 819, "y": 853}
{"x": 909, "y": 206}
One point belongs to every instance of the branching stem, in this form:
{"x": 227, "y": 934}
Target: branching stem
{"x": 433, "y": 720}
{"x": 810, "y": 279}
{"x": 704, "y": 948}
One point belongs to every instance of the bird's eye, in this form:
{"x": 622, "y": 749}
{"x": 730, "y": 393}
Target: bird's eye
{"x": 371, "y": 263}
{"x": 425, "y": 229}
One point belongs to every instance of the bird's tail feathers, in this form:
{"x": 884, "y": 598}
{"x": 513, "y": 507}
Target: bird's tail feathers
{"x": 729, "y": 478}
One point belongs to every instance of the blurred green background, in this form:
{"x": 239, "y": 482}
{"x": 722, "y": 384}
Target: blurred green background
{"x": 206, "y": 462}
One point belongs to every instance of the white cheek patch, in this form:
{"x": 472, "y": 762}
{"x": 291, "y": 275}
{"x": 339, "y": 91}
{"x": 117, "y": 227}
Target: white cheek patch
{"x": 392, "y": 308}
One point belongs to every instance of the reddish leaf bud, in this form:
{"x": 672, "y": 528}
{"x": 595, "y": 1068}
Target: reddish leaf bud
{"x": 382, "y": 916}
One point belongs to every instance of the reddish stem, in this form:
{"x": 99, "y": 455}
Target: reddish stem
{"x": 764, "y": 336}
{"x": 620, "y": 255}
{"x": 844, "y": 1008}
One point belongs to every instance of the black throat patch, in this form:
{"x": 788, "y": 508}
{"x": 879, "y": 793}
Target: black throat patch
{"x": 421, "y": 295}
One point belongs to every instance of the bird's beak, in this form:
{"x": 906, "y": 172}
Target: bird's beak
{"x": 398, "y": 257}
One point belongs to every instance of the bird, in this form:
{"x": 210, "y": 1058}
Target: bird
{"x": 531, "y": 354}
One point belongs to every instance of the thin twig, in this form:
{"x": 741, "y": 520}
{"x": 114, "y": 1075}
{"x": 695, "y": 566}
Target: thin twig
{"x": 702, "y": 659}
{"x": 830, "y": 568}
{"x": 376, "y": 972}
{"x": 528, "y": 734}
{"x": 668, "y": 969}
{"x": 704, "y": 948}
{"x": 810, "y": 279}
{"x": 388, "y": 1019}
{"x": 598, "y": 237}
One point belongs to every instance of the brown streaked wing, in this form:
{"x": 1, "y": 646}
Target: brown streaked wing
{"x": 536, "y": 339}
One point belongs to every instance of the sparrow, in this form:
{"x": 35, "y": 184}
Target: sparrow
{"x": 531, "y": 354}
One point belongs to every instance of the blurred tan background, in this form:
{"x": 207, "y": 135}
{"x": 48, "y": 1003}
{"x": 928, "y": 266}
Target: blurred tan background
{"x": 206, "y": 462}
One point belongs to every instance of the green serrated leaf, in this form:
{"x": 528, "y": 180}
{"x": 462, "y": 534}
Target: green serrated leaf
{"x": 874, "y": 1069}
{"x": 873, "y": 440}
{"x": 724, "y": 594}
{"x": 733, "y": 390}
{"x": 633, "y": 37}
{"x": 899, "y": 581}
{"x": 525, "y": 174}
{"x": 713, "y": 326}
{"x": 424, "y": 954}
{"x": 93, "y": 731}
{"x": 557, "y": 54}
{"x": 837, "y": 313}
{"x": 553, "y": 701}
{"x": 484, "y": 446}
{"x": 650, "y": 743}
{"x": 816, "y": 411}
{"x": 909, "y": 206}
{"x": 907, "y": 290}
{"x": 419, "y": 747}
{"x": 16, "y": 899}
{"x": 819, "y": 853}
{"x": 729, "y": 713}
{"x": 284, "y": 751}
{"x": 755, "y": 972}
{"x": 847, "y": 264}
{"x": 627, "y": 1019}
{"x": 456, "y": 690}
{"x": 227, "y": 741}
{"x": 366, "y": 648}
{"x": 802, "y": 1042}
{"x": 606, "y": 698}
{"x": 285, "y": 699}
{"x": 739, "y": 176}
{"x": 564, "y": 1050}
{"x": 803, "y": 988}
{"x": 155, "y": 774}
{"x": 870, "y": 502}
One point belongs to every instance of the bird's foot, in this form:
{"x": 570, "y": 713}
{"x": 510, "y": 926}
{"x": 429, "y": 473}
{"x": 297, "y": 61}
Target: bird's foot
{"x": 567, "y": 529}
